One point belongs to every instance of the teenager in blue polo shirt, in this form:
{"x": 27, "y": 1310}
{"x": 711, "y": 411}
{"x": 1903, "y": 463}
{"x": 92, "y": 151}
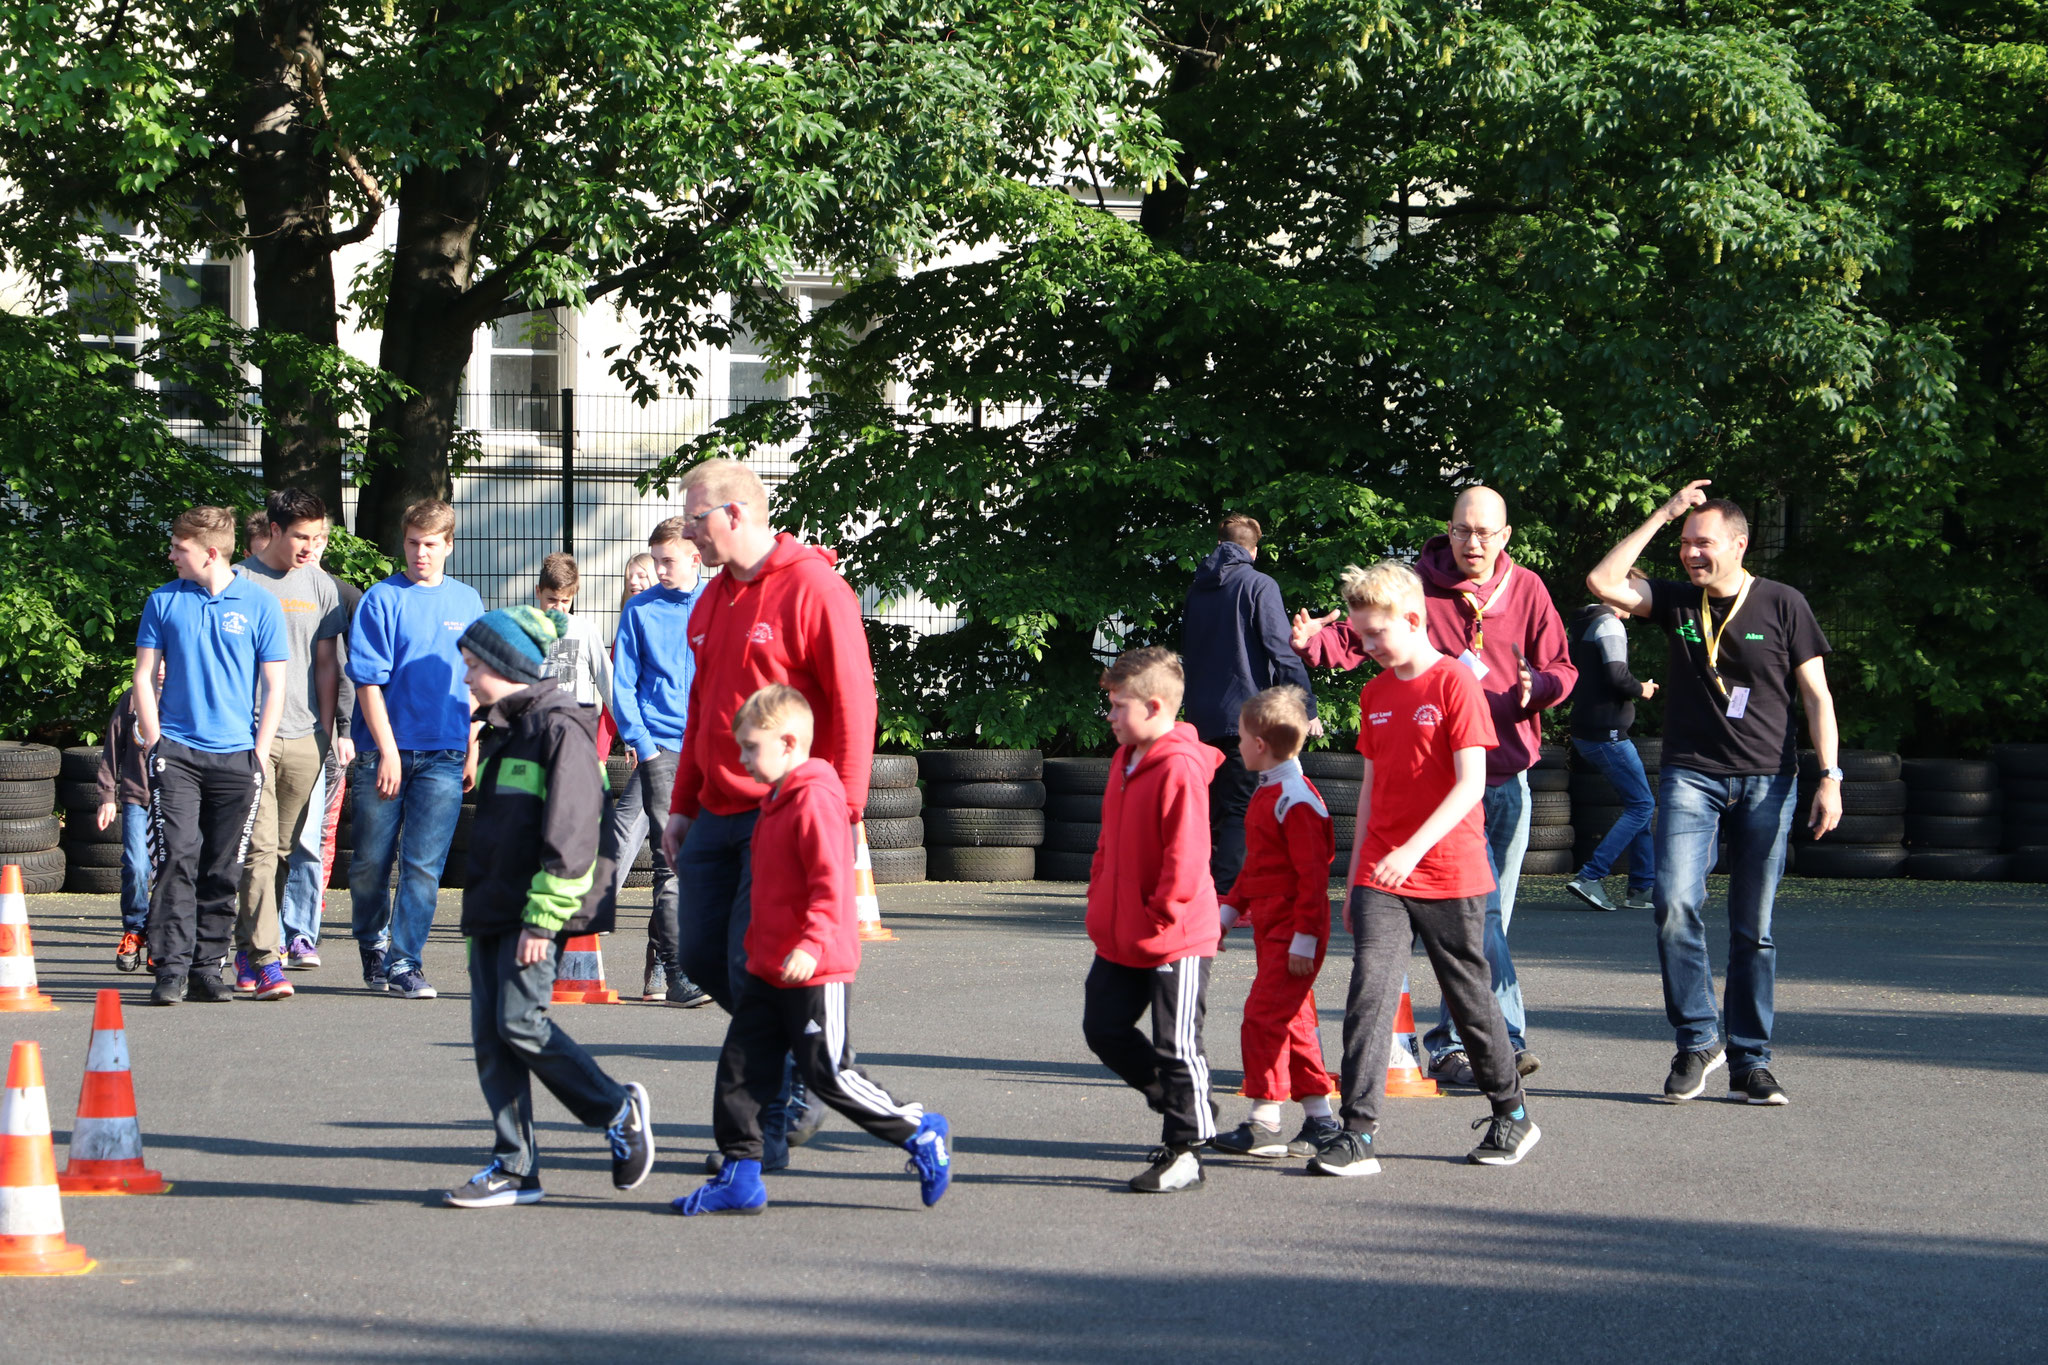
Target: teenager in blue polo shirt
{"x": 217, "y": 636}
{"x": 414, "y": 748}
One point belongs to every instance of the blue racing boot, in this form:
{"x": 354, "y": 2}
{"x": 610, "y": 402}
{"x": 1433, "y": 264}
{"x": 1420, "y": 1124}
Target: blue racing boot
{"x": 737, "y": 1188}
{"x": 929, "y": 1159}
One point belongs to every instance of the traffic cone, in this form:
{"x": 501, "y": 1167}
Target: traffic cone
{"x": 1405, "y": 1078}
{"x": 31, "y": 1211}
{"x": 580, "y": 978}
{"x": 17, "y": 958}
{"x": 106, "y": 1141}
{"x": 867, "y": 906}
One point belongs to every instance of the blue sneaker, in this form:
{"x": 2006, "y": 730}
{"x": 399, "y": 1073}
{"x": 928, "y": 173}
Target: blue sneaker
{"x": 737, "y": 1188}
{"x": 245, "y": 975}
{"x": 375, "y": 973}
{"x": 929, "y": 1160}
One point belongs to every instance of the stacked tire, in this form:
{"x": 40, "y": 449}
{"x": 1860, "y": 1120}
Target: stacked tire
{"x": 1596, "y": 804}
{"x": 1954, "y": 820}
{"x": 29, "y": 828}
{"x": 1073, "y": 817}
{"x": 2023, "y": 781}
{"x": 893, "y": 817}
{"x": 1551, "y": 825}
{"x": 1871, "y": 840}
{"x": 1338, "y": 774}
{"x": 984, "y": 814}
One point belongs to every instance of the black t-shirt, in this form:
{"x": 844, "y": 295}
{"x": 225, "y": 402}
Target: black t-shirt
{"x": 1761, "y": 650}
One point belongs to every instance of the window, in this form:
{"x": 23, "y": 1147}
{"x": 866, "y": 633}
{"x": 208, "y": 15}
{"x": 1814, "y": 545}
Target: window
{"x": 110, "y": 315}
{"x": 525, "y": 384}
{"x": 746, "y": 375}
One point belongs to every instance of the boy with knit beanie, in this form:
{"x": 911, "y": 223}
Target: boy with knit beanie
{"x": 536, "y": 874}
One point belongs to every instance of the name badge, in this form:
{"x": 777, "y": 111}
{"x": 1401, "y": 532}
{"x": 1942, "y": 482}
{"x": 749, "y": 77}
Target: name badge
{"x": 1738, "y": 702}
{"x": 1471, "y": 661}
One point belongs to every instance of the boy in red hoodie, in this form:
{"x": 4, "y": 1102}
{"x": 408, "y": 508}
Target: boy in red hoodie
{"x": 803, "y": 948}
{"x": 1284, "y": 890}
{"x": 1152, "y": 912}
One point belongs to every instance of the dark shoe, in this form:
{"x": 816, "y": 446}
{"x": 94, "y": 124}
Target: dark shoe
{"x": 1527, "y": 1063}
{"x": 930, "y": 1161}
{"x": 1346, "y": 1154}
{"x": 1453, "y": 1069}
{"x": 1315, "y": 1135}
{"x": 1173, "y": 1169}
{"x": 410, "y": 984}
{"x": 684, "y": 993}
{"x": 1508, "y": 1138}
{"x": 128, "y": 956}
{"x": 1639, "y": 900}
{"x": 654, "y": 980}
{"x": 1689, "y": 1072}
{"x": 1588, "y": 890}
{"x": 737, "y": 1188}
{"x": 205, "y": 988}
{"x": 1757, "y": 1086}
{"x": 632, "y": 1138}
{"x": 1251, "y": 1139}
{"x": 493, "y": 1187}
{"x": 804, "y": 1123}
{"x": 374, "y": 966}
{"x": 169, "y": 990}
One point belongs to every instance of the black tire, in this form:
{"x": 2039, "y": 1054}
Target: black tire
{"x": 77, "y": 795}
{"x": 982, "y": 829}
{"x": 2026, "y": 813}
{"x": 1077, "y": 776}
{"x": 1550, "y": 808}
{"x": 21, "y": 762}
{"x": 618, "y": 771}
{"x": 637, "y": 878}
{"x": 1553, "y": 756}
{"x": 893, "y": 803}
{"x": 88, "y": 855}
{"x": 26, "y": 800}
{"x": 2027, "y": 867}
{"x": 1954, "y": 832}
{"x": 83, "y": 827}
{"x": 981, "y": 864}
{"x": 1072, "y": 838}
{"x": 1334, "y": 763}
{"x": 980, "y": 765}
{"x": 1596, "y": 789}
{"x": 2024, "y": 836}
{"x": 898, "y": 866}
{"x": 892, "y": 772}
{"x": 43, "y": 862}
{"x": 93, "y": 881}
{"x": 29, "y": 835}
{"x": 1073, "y": 808}
{"x": 1547, "y": 838}
{"x": 1340, "y": 794}
{"x": 644, "y": 858}
{"x": 1857, "y": 829}
{"x": 1862, "y": 861}
{"x": 1857, "y": 765}
{"x": 1949, "y": 774}
{"x": 906, "y": 833}
{"x": 79, "y": 763}
{"x": 1595, "y": 818}
{"x": 1547, "y": 862}
{"x": 1053, "y": 865}
{"x": 2025, "y": 761}
{"x": 1923, "y": 801}
{"x": 2026, "y": 789}
{"x": 985, "y": 795}
{"x": 1864, "y": 798}
{"x": 1549, "y": 780}
{"x": 1344, "y": 828}
{"x": 1651, "y": 751}
{"x": 1952, "y": 865}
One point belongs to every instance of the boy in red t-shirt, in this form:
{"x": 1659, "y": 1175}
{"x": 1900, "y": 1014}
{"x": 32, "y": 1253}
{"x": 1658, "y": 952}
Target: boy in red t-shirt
{"x": 1420, "y": 869}
{"x": 1284, "y": 890}
{"x": 803, "y": 948}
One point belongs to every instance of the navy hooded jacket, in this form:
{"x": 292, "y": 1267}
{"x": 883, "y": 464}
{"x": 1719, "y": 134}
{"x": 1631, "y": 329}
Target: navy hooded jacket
{"x": 1235, "y": 641}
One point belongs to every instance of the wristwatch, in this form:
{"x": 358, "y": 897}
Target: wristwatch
{"x": 1835, "y": 773}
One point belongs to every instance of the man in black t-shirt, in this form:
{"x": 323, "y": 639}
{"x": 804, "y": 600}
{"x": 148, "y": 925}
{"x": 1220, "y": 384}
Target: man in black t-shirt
{"x": 1739, "y": 644}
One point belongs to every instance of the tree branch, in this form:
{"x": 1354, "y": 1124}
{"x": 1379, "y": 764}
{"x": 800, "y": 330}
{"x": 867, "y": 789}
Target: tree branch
{"x": 1464, "y": 208}
{"x": 658, "y": 264}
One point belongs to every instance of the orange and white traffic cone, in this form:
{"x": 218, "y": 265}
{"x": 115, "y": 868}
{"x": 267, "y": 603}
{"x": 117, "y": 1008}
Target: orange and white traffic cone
{"x": 106, "y": 1141}
{"x": 867, "y": 906}
{"x": 1405, "y": 1078}
{"x": 579, "y": 980}
{"x": 31, "y": 1211}
{"x": 17, "y": 957}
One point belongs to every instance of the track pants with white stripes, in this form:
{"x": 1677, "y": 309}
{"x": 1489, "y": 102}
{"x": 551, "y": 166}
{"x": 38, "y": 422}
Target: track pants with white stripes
{"x": 808, "y": 1022}
{"x": 1169, "y": 1069}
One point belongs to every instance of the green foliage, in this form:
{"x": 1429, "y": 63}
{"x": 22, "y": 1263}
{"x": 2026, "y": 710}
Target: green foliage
{"x": 355, "y": 559}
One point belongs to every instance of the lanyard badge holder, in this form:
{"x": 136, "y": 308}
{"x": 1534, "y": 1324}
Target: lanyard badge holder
{"x": 1471, "y": 657}
{"x": 1736, "y": 697}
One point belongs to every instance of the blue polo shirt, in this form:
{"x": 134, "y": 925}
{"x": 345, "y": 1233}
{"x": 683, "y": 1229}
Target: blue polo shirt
{"x": 213, "y": 646}
{"x": 404, "y": 640}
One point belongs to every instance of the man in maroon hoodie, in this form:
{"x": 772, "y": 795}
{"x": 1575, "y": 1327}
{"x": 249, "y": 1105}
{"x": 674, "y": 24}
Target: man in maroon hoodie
{"x": 1495, "y": 617}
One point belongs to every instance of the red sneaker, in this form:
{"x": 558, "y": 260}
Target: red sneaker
{"x": 128, "y": 957}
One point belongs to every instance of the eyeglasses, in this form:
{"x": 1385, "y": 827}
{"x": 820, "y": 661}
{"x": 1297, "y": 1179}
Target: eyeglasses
{"x": 698, "y": 520}
{"x": 1483, "y": 536}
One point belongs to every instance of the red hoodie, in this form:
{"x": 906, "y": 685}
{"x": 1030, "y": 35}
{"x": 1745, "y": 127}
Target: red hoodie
{"x": 796, "y": 622}
{"x": 1150, "y": 899}
{"x": 1521, "y": 615}
{"x": 803, "y": 878}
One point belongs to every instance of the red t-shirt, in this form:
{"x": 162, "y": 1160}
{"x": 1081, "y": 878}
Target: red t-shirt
{"x": 1408, "y": 731}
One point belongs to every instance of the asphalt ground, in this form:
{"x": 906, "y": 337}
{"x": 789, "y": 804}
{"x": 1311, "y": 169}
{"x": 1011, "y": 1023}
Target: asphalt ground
{"x": 1895, "y": 1210}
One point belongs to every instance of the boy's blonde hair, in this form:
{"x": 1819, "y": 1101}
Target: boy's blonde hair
{"x": 726, "y": 481}
{"x": 1279, "y": 716}
{"x": 213, "y": 527}
{"x": 1388, "y": 585}
{"x": 1151, "y": 674}
{"x": 430, "y": 515}
{"x": 773, "y": 708}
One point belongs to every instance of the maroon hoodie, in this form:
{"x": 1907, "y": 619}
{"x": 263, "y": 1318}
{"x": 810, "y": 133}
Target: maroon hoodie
{"x": 1521, "y": 615}
{"x": 1150, "y": 898}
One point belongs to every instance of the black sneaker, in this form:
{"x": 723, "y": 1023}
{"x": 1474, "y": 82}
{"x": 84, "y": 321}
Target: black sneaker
{"x": 684, "y": 993}
{"x": 1639, "y": 900}
{"x": 1689, "y": 1072}
{"x": 1527, "y": 1063}
{"x": 1251, "y": 1139}
{"x": 804, "y": 1122}
{"x": 1454, "y": 1069}
{"x": 632, "y": 1138}
{"x": 1172, "y": 1169}
{"x": 1346, "y": 1154}
{"x": 206, "y": 988}
{"x": 1757, "y": 1086}
{"x": 374, "y": 973}
{"x": 170, "y": 989}
{"x": 493, "y": 1187}
{"x": 1315, "y": 1135}
{"x": 1508, "y": 1138}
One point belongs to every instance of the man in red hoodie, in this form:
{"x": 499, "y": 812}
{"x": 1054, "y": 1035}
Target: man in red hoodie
{"x": 1152, "y": 912}
{"x": 777, "y": 613}
{"x": 1495, "y": 617}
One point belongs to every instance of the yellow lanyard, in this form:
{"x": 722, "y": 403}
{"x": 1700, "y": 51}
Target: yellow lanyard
{"x": 1479, "y": 611}
{"x": 1712, "y": 637}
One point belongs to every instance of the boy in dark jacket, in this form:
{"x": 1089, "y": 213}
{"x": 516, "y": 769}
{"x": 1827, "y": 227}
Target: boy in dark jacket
{"x": 123, "y": 789}
{"x": 533, "y": 861}
{"x": 803, "y": 948}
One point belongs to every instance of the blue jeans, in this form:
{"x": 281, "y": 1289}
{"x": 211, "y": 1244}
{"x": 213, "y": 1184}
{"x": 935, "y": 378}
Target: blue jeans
{"x": 135, "y": 868}
{"x": 414, "y": 828}
{"x": 1619, "y": 762}
{"x": 299, "y": 912}
{"x": 1692, "y": 811}
{"x": 1506, "y": 811}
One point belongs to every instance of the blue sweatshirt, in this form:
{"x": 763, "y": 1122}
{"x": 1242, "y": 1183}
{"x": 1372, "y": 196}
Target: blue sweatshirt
{"x": 403, "y": 640}
{"x": 1235, "y": 641}
{"x": 652, "y": 665}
